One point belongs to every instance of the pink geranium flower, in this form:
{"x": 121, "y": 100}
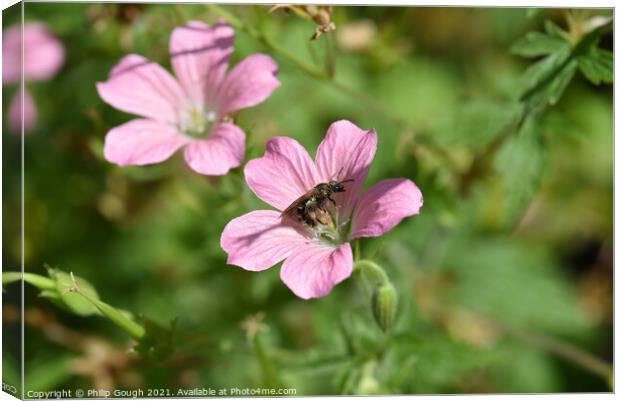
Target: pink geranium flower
{"x": 316, "y": 259}
{"x": 43, "y": 56}
{"x": 190, "y": 111}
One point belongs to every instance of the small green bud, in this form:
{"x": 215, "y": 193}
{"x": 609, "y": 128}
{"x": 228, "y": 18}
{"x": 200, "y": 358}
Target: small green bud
{"x": 384, "y": 300}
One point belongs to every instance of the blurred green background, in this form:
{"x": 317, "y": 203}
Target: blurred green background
{"x": 504, "y": 279}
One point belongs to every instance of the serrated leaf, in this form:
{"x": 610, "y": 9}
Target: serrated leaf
{"x": 546, "y": 80}
{"x": 519, "y": 165}
{"x": 477, "y": 123}
{"x": 535, "y": 44}
{"x": 597, "y": 65}
{"x": 553, "y": 30}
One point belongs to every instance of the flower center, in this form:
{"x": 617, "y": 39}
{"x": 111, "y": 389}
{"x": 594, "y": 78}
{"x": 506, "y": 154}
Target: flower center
{"x": 336, "y": 231}
{"x": 197, "y": 122}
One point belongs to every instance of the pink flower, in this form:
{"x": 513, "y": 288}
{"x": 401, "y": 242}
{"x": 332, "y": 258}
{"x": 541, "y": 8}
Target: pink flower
{"x": 43, "y": 56}
{"x": 316, "y": 259}
{"x": 189, "y": 111}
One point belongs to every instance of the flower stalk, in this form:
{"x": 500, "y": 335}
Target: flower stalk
{"x": 383, "y": 296}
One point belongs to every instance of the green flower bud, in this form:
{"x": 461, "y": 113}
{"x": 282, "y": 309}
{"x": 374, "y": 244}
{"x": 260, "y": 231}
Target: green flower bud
{"x": 384, "y": 300}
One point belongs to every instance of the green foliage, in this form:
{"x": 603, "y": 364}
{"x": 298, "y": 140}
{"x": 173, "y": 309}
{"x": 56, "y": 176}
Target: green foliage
{"x": 156, "y": 343}
{"x": 477, "y": 123}
{"x": 520, "y": 165}
{"x": 81, "y": 303}
{"x": 514, "y": 162}
{"x": 492, "y": 274}
{"x": 546, "y": 80}
{"x": 597, "y": 65}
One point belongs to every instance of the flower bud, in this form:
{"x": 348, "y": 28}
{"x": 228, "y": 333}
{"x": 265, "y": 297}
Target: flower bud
{"x": 384, "y": 300}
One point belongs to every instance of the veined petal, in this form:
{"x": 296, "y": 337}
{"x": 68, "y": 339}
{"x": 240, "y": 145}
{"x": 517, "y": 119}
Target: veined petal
{"x": 258, "y": 240}
{"x": 284, "y": 174}
{"x": 139, "y": 86}
{"x": 346, "y": 153}
{"x": 384, "y": 205}
{"x": 140, "y": 142}
{"x": 249, "y": 83}
{"x": 200, "y": 55}
{"x": 313, "y": 270}
{"x": 222, "y": 150}
{"x": 29, "y": 112}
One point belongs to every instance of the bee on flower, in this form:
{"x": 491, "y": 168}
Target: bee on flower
{"x": 319, "y": 209}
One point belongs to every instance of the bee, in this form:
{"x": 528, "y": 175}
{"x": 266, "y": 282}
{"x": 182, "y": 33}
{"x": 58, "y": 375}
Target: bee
{"x": 311, "y": 207}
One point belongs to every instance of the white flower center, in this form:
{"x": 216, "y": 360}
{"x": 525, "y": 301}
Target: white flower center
{"x": 196, "y": 122}
{"x": 336, "y": 232}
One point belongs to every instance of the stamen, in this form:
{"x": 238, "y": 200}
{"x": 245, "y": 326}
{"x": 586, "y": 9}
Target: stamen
{"x": 197, "y": 122}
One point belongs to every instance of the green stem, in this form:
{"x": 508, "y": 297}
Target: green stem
{"x": 372, "y": 271}
{"x": 117, "y": 317}
{"x": 41, "y": 282}
{"x": 259, "y": 36}
{"x": 330, "y": 57}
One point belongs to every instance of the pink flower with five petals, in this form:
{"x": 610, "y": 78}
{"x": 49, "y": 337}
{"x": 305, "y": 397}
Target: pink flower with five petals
{"x": 316, "y": 259}
{"x": 189, "y": 111}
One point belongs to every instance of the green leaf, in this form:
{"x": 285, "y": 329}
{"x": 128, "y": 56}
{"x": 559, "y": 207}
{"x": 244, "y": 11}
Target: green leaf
{"x": 553, "y": 30}
{"x": 477, "y": 123}
{"x": 546, "y": 80}
{"x": 597, "y": 65}
{"x": 519, "y": 164}
{"x": 72, "y": 300}
{"x": 517, "y": 284}
{"x": 535, "y": 44}
{"x": 434, "y": 364}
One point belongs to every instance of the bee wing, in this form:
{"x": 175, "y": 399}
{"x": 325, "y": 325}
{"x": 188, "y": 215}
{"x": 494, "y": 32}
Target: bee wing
{"x": 291, "y": 211}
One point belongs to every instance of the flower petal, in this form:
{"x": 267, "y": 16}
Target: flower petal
{"x": 15, "y": 113}
{"x": 384, "y": 205}
{"x": 313, "y": 270}
{"x": 140, "y": 142}
{"x": 200, "y": 56}
{"x": 249, "y": 83}
{"x": 284, "y": 174}
{"x": 258, "y": 240}
{"x": 44, "y": 54}
{"x": 222, "y": 150}
{"x": 139, "y": 86}
{"x": 346, "y": 153}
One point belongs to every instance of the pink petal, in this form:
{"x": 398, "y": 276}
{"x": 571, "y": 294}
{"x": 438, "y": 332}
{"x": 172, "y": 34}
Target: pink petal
{"x": 258, "y": 240}
{"x": 139, "y": 86}
{"x": 15, "y": 113}
{"x": 200, "y": 57}
{"x": 346, "y": 153}
{"x": 313, "y": 270}
{"x": 44, "y": 54}
{"x": 384, "y": 205}
{"x": 249, "y": 83}
{"x": 222, "y": 150}
{"x": 11, "y": 55}
{"x": 140, "y": 142}
{"x": 284, "y": 174}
